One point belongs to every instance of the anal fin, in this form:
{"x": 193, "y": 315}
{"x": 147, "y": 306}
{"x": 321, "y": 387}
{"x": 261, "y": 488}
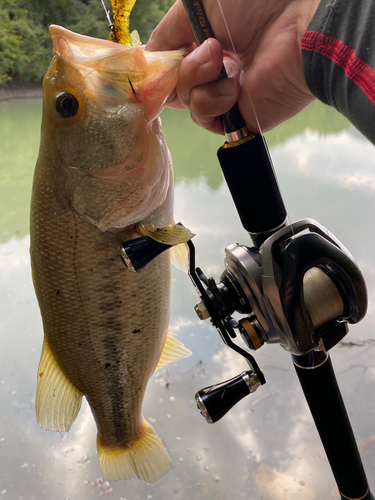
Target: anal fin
{"x": 58, "y": 401}
{"x": 174, "y": 350}
{"x": 144, "y": 457}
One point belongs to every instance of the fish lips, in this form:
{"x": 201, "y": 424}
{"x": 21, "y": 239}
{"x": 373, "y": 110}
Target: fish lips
{"x": 114, "y": 71}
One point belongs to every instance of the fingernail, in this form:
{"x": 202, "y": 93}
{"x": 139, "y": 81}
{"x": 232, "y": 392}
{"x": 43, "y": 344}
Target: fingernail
{"x": 203, "y": 53}
{"x": 227, "y": 86}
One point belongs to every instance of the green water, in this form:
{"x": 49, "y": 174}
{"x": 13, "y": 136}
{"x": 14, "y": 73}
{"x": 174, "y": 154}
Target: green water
{"x": 19, "y": 144}
{"x": 193, "y": 151}
{"x": 267, "y": 444}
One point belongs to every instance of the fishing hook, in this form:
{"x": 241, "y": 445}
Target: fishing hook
{"x": 134, "y": 92}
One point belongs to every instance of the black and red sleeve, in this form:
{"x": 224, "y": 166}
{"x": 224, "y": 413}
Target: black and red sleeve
{"x": 338, "y": 52}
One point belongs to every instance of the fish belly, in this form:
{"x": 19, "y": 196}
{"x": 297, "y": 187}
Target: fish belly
{"x": 104, "y": 326}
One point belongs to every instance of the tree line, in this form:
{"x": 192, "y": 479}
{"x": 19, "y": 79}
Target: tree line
{"x": 25, "y": 45}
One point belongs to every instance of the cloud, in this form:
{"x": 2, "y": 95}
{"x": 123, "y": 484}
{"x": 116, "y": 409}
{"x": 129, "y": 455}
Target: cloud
{"x": 341, "y": 159}
{"x": 14, "y": 255}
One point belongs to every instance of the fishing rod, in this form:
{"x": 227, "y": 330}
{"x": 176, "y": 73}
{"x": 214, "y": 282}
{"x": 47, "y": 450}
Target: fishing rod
{"x": 297, "y": 286}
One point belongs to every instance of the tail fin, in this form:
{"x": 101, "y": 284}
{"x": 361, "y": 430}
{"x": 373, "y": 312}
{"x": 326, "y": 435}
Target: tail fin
{"x": 144, "y": 457}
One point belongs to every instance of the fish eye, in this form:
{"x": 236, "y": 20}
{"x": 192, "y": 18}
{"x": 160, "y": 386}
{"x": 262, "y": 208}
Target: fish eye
{"x": 66, "y": 104}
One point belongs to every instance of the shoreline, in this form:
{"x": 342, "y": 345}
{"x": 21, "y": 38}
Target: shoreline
{"x": 20, "y": 90}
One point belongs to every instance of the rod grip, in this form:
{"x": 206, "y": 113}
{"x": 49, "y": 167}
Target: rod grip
{"x": 324, "y": 398}
{"x": 249, "y": 173}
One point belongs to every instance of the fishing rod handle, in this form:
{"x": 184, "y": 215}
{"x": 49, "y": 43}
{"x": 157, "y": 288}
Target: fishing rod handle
{"x": 251, "y": 179}
{"x": 319, "y": 384}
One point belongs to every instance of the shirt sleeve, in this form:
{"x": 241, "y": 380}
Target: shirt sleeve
{"x": 338, "y": 51}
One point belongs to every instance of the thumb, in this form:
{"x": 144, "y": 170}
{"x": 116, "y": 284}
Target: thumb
{"x": 173, "y": 31}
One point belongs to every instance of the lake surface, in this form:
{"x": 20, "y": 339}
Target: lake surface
{"x": 267, "y": 446}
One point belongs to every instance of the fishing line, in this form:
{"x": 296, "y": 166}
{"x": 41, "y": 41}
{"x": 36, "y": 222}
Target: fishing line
{"x": 242, "y": 73}
{"x": 111, "y": 26}
{"x": 107, "y": 13}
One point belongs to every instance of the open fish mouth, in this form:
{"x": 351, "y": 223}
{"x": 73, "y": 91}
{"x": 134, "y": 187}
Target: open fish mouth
{"x": 119, "y": 71}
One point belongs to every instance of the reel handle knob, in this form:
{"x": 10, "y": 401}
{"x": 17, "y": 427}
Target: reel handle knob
{"x": 215, "y": 401}
{"x": 137, "y": 253}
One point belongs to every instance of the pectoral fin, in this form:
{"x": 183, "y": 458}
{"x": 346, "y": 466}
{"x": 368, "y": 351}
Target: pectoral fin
{"x": 169, "y": 235}
{"x": 174, "y": 350}
{"x": 58, "y": 401}
{"x": 180, "y": 257}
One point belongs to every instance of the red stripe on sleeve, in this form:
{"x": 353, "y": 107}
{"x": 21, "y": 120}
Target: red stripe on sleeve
{"x": 344, "y": 56}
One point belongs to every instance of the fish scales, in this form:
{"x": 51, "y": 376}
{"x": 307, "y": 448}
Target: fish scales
{"x": 102, "y": 169}
{"x": 89, "y": 316}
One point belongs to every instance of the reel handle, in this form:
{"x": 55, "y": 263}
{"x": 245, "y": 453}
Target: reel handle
{"x": 137, "y": 253}
{"x": 216, "y": 400}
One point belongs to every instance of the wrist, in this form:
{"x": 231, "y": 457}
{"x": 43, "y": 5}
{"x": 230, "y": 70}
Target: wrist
{"x": 308, "y": 9}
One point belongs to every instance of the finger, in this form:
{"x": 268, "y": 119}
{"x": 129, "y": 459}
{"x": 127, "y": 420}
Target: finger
{"x": 208, "y": 102}
{"x": 201, "y": 66}
{"x": 174, "y": 102}
{"x": 173, "y": 31}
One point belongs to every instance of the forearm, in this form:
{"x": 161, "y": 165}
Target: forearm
{"x": 339, "y": 59}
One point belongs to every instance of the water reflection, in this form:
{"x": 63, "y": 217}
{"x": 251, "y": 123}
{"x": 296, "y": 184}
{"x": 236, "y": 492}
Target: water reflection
{"x": 19, "y": 144}
{"x": 267, "y": 447}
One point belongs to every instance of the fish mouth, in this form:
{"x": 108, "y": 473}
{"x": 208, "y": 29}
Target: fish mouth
{"x": 76, "y": 47}
{"x": 117, "y": 71}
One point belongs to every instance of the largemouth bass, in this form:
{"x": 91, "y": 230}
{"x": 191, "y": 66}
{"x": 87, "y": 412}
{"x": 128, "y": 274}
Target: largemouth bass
{"x": 103, "y": 168}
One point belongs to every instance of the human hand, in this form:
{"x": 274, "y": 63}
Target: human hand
{"x": 267, "y": 39}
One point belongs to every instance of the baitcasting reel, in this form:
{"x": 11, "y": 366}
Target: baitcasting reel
{"x": 299, "y": 289}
